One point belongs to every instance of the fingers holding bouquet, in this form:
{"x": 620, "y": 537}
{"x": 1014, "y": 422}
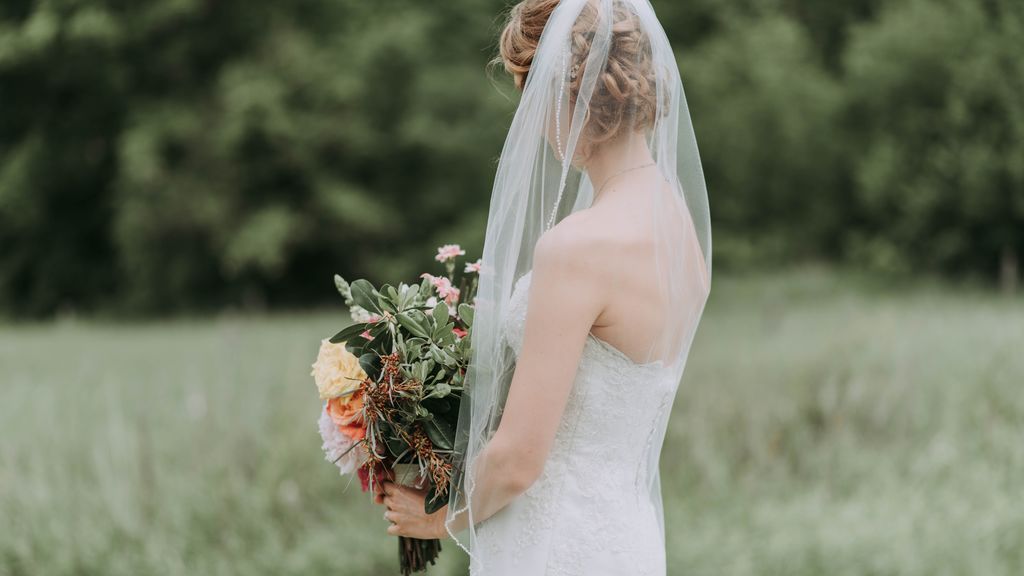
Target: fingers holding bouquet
{"x": 406, "y": 515}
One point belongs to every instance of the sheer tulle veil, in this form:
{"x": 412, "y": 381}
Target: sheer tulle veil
{"x": 602, "y": 70}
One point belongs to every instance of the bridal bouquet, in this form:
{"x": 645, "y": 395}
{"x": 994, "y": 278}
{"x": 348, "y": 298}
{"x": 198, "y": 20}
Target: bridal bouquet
{"x": 392, "y": 382}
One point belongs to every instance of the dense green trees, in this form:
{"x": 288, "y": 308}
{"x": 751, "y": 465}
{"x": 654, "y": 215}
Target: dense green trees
{"x": 937, "y": 142}
{"x": 181, "y": 154}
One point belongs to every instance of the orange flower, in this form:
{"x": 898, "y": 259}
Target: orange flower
{"x": 347, "y": 415}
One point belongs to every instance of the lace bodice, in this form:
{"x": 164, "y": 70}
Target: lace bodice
{"x": 592, "y": 511}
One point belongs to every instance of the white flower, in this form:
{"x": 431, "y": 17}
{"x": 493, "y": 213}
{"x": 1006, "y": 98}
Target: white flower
{"x": 360, "y": 315}
{"x": 343, "y": 288}
{"x": 335, "y": 444}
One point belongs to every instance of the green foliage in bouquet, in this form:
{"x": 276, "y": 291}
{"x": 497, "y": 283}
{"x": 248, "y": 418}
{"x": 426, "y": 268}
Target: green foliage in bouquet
{"x": 413, "y": 343}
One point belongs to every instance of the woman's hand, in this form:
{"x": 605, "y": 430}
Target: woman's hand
{"x": 405, "y": 512}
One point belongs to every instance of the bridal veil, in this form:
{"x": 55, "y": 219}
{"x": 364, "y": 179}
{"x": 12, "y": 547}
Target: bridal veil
{"x": 601, "y": 69}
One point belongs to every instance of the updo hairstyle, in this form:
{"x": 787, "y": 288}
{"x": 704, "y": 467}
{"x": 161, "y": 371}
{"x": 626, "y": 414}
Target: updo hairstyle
{"x": 625, "y": 96}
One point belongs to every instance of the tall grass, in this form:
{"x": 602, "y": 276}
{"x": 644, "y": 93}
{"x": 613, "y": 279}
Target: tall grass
{"x": 824, "y": 427}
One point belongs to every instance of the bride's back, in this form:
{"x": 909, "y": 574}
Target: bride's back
{"x": 652, "y": 294}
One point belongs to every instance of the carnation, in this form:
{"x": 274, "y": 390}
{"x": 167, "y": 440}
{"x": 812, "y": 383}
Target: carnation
{"x": 452, "y": 297}
{"x": 445, "y": 289}
{"x": 473, "y": 267}
{"x": 449, "y": 252}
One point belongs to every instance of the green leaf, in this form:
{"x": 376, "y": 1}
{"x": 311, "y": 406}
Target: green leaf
{"x": 413, "y": 349}
{"x": 435, "y": 354}
{"x": 437, "y": 406}
{"x": 422, "y": 413}
{"x": 405, "y": 319}
{"x": 387, "y": 298}
{"x": 349, "y": 333}
{"x": 419, "y": 317}
{"x": 425, "y": 367}
{"x": 434, "y": 501}
{"x": 395, "y": 446}
{"x": 440, "y": 433}
{"x": 387, "y": 306}
{"x": 440, "y": 314}
{"x": 363, "y": 296}
{"x": 384, "y": 343}
{"x": 369, "y": 363}
{"x": 357, "y": 346}
{"x": 400, "y": 344}
{"x": 409, "y": 295}
{"x": 466, "y": 314}
{"x": 443, "y": 334}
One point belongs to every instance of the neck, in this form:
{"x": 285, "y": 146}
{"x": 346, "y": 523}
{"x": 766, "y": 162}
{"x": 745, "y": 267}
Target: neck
{"x": 611, "y": 158}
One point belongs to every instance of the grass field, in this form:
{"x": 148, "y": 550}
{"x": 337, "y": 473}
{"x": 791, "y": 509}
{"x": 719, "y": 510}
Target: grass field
{"x": 826, "y": 427}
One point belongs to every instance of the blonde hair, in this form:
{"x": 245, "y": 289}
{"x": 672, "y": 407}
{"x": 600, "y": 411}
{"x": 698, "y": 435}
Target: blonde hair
{"x": 625, "y": 96}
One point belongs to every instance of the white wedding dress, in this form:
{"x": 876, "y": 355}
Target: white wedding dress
{"x": 593, "y": 511}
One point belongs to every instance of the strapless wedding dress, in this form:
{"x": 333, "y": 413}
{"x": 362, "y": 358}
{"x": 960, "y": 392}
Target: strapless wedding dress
{"x": 594, "y": 511}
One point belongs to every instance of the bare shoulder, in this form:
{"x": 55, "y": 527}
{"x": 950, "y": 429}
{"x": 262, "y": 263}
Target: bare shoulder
{"x": 574, "y": 247}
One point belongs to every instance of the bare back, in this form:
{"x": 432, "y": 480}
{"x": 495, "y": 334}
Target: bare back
{"x": 619, "y": 228}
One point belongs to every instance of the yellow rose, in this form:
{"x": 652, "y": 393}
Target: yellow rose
{"x": 337, "y": 372}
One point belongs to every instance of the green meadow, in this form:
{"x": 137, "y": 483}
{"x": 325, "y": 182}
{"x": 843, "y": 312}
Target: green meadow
{"x": 827, "y": 425}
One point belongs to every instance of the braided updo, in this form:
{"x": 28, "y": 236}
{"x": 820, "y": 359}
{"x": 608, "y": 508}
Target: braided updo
{"x": 625, "y": 96}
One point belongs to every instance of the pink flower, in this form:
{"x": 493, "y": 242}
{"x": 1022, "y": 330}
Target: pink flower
{"x": 449, "y": 252}
{"x": 460, "y": 332}
{"x": 366, "y": 334}
{"x": 443, "y": 285}
{"x": 473, "y": 267}
{"x": 452, "y": 297}
{"x": 446, "y": 291}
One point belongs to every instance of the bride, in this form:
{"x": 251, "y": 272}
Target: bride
{"x": 596, "y": 267}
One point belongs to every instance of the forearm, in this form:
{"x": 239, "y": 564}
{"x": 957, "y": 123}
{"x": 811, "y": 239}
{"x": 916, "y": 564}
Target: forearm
{"x": 498, "y": 477}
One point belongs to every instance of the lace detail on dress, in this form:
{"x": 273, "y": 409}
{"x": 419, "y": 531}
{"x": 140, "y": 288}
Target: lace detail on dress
{"x": 591, "y": 510}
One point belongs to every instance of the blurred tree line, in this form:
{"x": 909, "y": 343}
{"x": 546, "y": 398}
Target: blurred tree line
{"x": 176, "y": 155}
